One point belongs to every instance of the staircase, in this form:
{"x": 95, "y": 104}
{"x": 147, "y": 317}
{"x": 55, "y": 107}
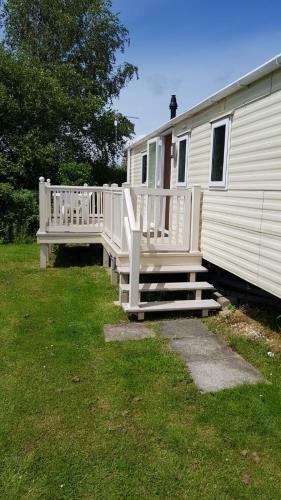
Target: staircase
{"x": 179, "y": 279}
{"x": 160, "y": 266}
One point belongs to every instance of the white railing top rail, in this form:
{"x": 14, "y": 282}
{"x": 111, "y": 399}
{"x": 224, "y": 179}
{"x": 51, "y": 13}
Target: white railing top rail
{"x": 113, "y": 187}
{"x": 73, "y": 188}
{"x": 130, "y": 210}
{"x": 160, "y": 191}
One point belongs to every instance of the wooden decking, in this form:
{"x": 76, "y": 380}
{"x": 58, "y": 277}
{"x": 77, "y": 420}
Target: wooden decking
{"x": 131, "y": 224}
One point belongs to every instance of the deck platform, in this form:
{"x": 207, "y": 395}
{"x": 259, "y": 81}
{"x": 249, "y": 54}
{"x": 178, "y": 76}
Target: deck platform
{"x": 131, "y": 224}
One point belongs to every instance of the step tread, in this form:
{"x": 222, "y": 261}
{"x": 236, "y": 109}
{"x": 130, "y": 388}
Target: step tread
{"x": 172, "y": 305}
{"x": 170, "y": 287}
{"x": 165, "y": 269}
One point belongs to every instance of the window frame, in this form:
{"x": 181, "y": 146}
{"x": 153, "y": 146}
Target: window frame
{"x": 158, "y": 177}
{"x": 184, "y": 137}
{"x": 216, "y": 124}
{"x": 145, "y": 153}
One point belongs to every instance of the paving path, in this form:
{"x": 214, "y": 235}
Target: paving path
{"x": 212, "y": 364}
{"x": 127, "y": 331}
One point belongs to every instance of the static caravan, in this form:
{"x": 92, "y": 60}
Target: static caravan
{"x": 228, "y": 147}
{"x": 207, "y": 184}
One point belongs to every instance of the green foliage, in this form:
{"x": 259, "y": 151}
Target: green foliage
{"x": 74, "y": 174}
{"x": 81, "y": 418}
{"x": 19, "y": 213}
{"x": 58, "y": 77}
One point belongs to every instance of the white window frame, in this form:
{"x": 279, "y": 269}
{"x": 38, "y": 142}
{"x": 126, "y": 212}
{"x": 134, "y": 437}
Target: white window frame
{"x": 145, "y": 153}
{"x": 158, "y": 179}
{"x": 223, "y": 183}
{"x": 185, "y": 137}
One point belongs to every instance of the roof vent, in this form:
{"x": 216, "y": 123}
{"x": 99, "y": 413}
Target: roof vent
{"x": 173, "y": 106}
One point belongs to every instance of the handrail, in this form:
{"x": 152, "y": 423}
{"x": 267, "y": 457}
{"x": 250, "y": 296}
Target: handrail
{"x": 133, "y": 236}
{"x": 130, "y": 210}
{"x": 128, "y": 233}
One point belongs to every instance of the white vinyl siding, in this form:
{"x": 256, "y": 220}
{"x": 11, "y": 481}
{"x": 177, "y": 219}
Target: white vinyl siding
{"x": 199, "y": 156}
{"x": 255, "y": 154}
{"x": 136, "y": 166}
{"x": 241, "y": 226}
{"x": 241, "y": 232}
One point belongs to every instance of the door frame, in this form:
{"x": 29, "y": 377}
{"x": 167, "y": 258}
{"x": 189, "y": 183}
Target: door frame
{"x": 155, "y": 140}
{"x": 169, "y": 131}
{"x": 160, "y": 162}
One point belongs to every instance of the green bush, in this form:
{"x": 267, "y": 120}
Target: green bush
{"x": 19, "y": 214}
{"x": 74, "y": 174}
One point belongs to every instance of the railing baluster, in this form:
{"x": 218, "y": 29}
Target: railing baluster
{"x": 90, "y": 216}
{"x": 71, "y": 208}
{"x": 98, "y": 208}
{"x": 141, "y": 212}
{"x": 94, "y": 207}
{"x": 177, "y": 219}
{"x": 171, "y": 211}
{"x": 148, "y": 219}
{"x": 155, "y": 200}
{"x": 55, "y": 206}
{"x": 163, "y": 217}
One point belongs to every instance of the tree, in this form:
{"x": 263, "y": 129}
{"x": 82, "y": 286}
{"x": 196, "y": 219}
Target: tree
{"x": 58, "y": 78}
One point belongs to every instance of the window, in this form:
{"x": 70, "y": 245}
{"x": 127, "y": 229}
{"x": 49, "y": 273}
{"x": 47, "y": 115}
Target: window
{"x": 182, "y": 160}
{"x": 154, "y": 163}
{"x": 219, "y": 153}
{"x": 144, "y": 168}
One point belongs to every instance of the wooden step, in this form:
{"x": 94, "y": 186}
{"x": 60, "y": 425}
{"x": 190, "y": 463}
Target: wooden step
{"x": 164, "y": 269}
{"x": 170, "y": 287}
{"x": 172, "y": 305}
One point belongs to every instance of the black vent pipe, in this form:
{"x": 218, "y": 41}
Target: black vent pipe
{"x": 173, "y": 106}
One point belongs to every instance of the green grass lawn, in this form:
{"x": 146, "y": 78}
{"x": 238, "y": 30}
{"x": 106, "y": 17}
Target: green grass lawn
{"x": 83, "y": 419}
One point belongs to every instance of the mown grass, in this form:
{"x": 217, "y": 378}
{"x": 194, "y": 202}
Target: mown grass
{"x": 80, "y": 418}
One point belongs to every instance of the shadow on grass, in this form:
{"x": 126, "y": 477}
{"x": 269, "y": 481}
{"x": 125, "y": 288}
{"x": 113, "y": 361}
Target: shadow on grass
{"x": 77, "y": 255}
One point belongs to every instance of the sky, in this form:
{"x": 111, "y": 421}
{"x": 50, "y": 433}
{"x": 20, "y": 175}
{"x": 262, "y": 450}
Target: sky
{"x": 191, "y": 48}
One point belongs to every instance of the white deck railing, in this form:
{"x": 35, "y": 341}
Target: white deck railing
{"x": 70, "y": 208}
{"x": 168, "y": 219}
{"x": 112, "y": 220}
{"x": 132, "y": 219}
{"x": 164, "y": 216}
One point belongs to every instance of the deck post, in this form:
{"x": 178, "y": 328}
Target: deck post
{"x": 42, "y": 204}
{"x": 124, "y": 245}
{"x": 135, "y": 269}
{"x": 105, "y": 208}
{"x": 123, "y": 295}
{"x": 44, "y": 255}
{"x": 111, "y": 209}
{"x": 195, "y": 217}
{"x": 105, "y": 258}
{"x": 113, "y": 276}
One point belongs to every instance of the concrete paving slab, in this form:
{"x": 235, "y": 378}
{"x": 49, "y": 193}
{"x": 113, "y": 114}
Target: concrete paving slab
{"x": 212, "y": 364}
{"x": 217, "y": 374}
{"x": 183, "y": 328}
{"x": 130, "y": 331}
{"x": 199, "y": 347}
